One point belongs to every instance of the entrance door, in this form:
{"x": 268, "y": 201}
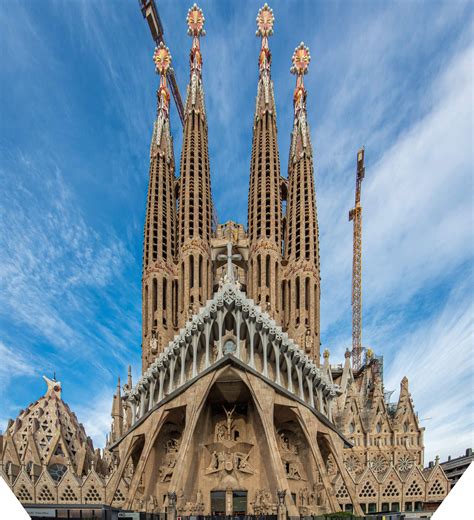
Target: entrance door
{"x": 239, "y": 503}
{"x": 218, "y": 503}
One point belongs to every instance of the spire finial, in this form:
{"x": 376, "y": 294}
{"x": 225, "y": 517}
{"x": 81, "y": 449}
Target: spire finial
{"x": 300, "y": 62}
{"x": 195, "y": 20}
{"x": 162, "y": 59}
{"x": 265, "y": 21}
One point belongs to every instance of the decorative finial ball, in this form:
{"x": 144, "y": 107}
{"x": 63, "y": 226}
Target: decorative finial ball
{"x": 326, "y": 353}
{"x": 195, "y": 21}
{"x": 300, "y": 60}
{"x": 265, "y": 20}
{"x": 370, "y": 353}
{"x": 162, "y": 59}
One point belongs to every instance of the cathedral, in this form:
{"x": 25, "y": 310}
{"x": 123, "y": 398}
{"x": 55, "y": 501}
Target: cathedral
{"x": 236, "y": 412}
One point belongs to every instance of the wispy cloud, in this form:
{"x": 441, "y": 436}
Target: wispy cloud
{"x": 77, "y": 111}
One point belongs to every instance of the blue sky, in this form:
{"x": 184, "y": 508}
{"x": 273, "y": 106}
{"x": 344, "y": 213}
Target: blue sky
{"x": 77, "y": 106}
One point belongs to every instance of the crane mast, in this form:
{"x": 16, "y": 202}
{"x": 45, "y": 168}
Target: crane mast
{"x": 355, "y": 215}
{"x": 150, "y": 13}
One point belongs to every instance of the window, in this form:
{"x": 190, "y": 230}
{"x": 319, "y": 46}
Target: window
{"x": 191, "y": 271}
{"x": 372, "y": 507}
{"x": 57, "y": 471}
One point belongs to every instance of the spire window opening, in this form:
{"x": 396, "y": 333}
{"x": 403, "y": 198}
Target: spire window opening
{"x": 297, "y": 291}
{"x": 259, "y": 271}
{"x": 200, "y": 272}
{"x": 267, "y": 271}
{"x": 306, "y": 294}
{"x": 191, "y": 271}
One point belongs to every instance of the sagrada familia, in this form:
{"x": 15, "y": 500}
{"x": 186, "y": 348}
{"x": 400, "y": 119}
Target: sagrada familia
{"x": 234, "y": 413}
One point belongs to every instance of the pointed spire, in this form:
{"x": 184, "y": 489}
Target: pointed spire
{"x": 265, "y": 98}
{"x": 117, "y": 402}
{"x": 129, "y": 378}
{"x": 300, "y": 142}
{"x": 195, "y": 20}
{"x": 265, "y": 21}
{"x": 161, "y": 141}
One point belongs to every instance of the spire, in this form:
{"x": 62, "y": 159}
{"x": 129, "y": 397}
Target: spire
{"x": 160, "y": 224}
{"x": 195, "y": 20}
{"x": 302, "y": 284}
{"x": 264, "y": 209}
{"x": 129, "y": 378}
{"x": 195, "y": 201}
{"x": 117, "y": 415}
{"x": 300, "y": 139}
{"x": 161, "y": 132}
{"x": 265, "y": 20}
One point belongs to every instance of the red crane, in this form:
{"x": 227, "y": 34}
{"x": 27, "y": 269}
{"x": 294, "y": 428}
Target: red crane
{"x": 150, "y": 13}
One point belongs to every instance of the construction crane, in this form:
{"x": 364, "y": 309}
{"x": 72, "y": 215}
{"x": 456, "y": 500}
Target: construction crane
{"x": 355, "y": 215}
{"x": 150, "y": 13}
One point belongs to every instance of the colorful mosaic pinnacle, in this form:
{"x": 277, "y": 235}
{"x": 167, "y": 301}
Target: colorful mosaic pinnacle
{"x": 265, "y": 20}
{"x": 300, "y": 60}
{"x": 195, "y": 21}
{"x": 162, "y": 59}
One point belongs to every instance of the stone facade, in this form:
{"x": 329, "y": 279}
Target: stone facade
{"x": 233, "y": 412}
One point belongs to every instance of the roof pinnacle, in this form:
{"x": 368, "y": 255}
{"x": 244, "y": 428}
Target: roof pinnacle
{"x": 162, "y": 59}
{"x": 265, "y": 21}
{"x": 195, "y": 20}
{"x": 300, "y": 63}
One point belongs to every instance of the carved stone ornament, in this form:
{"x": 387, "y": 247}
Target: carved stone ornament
{"x": 378, "y": 464}
{"x": 405, "y": 463}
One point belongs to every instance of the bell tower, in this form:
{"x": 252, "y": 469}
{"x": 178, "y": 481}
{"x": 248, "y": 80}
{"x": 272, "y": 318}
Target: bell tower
{"x": 301, "y": 285}
{"x": 264, "y": 202}
{"x": 195, "y": 201}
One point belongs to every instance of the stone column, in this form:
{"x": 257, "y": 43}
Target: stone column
{"x": 229, "y": 506}
{"x": 171, "y": 507}
{"x": 281, "y": 511}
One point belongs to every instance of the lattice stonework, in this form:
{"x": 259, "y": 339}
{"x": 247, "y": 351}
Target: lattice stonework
{"x": 414, "y": 490}
{"x": 342, "y": 493}
{"x": 92, "y": 496}
{"x": 391, "y": 490}
{"x": 367, "y": 491}
{"x": 436, "y": 488}
{"x": 119, "y": 497}
{"x": 24, "y": 495}
{"x": 45, "y": 495}
{"x": 68, "y": 495}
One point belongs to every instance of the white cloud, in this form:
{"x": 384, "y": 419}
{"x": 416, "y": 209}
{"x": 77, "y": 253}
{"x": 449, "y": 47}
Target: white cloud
{"x": 417, "y": 200}
{"x": 438, "y": 359}
{"x": 95, "y": 415}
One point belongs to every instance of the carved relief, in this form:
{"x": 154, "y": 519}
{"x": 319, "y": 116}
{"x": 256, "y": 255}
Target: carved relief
{"x": 263, "y": 504}
{"x": 230, "y": 452}
{"x": 353, "y": 464}
{"x": 171, "y": 446}
{"x": 405, "y": 462}
{"x": 378, "y": 464}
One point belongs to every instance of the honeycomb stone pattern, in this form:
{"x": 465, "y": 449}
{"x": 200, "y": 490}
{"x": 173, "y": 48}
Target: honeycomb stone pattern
{"x": 68, "y": 495}
{"x": 367, "y": 491}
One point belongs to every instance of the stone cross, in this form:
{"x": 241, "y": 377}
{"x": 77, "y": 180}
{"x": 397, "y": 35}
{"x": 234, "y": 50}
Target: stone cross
{"x": 229, "y": 257}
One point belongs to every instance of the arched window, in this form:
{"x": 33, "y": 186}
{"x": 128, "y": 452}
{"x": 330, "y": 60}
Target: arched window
{"x": 259, "y": 271}
{"x": 297, "y": 290}
{"x": 145, "y": 317}
{"x": 191, "y": 271}
{"x": 306, "y": 294}
{"x": 267, "y": 271}
{"x": 200, "y": 271}
{"x": 165, "y": 293}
